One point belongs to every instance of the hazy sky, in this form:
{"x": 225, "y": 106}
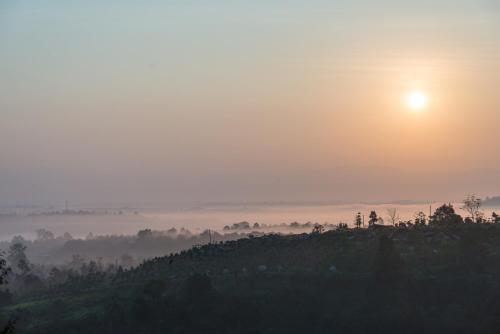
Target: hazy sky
{"x": 111, "y": 102}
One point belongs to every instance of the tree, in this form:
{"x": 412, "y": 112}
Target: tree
{"x": 373, "y": 218}
{"x": 468, "y": 220}
{"x": 144, "y": 233}
{"x": 420, "y": 219}
{"x": 342, "y": 226}
{"x": 445, "y": 215}
{"x": 67, "y": 236}
{"x": 4, "y": 270}
{"x": 495, "y": 218}
{"x": 44, "y": 235}
{"x": 358, "y": 221}
{"x": 472, "y": 205}
{"x": 243, "y": 225}
{"x": 18, "y": 259}
{"x": 318, "y": 229}
{"x": 393, "y": 215}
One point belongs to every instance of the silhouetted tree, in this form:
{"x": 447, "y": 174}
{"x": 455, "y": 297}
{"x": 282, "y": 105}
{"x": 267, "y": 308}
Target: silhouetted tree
{"x": 4, "y": 271}
{"x": 358, "y": 221}
{"x": 472, "y": 205}
{"x": 445, "y": 215}
{"x": 318, "y": 229}
{"x": 420, "y": 219}
{"x": 67, "y": 236}
{"x": 44, "y": 235}
{"x": 144, "y": 233}
{"x": 342, "y": 226}
{"x": 18, "y": 259}
{"x": 373, "y": 218}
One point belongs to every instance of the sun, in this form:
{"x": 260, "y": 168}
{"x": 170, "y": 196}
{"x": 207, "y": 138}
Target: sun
{"x": 417, "y": 100}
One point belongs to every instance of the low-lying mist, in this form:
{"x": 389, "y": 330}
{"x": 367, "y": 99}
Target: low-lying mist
{"x": 126, "y": 237}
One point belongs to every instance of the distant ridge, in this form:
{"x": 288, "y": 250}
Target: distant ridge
{"x": 312, "y": 203}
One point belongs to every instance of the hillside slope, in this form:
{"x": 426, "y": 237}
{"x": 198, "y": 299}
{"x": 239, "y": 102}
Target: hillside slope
{"x": 351, "y": 281}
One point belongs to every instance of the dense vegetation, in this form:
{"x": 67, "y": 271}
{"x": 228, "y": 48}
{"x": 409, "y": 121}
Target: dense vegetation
{"x": 437, "y": 275}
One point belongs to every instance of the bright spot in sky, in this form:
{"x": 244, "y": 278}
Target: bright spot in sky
{"x": 417, "y": 100}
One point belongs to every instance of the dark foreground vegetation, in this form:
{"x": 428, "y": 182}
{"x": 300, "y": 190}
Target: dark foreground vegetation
{"x": 437, "y": 275}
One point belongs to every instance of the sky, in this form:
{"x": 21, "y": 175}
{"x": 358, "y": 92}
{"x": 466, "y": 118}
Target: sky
{"x": 155, "y": 102}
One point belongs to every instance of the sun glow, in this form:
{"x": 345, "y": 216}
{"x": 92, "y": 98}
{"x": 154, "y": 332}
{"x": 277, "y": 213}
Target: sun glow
{"x": 417, "y": 100}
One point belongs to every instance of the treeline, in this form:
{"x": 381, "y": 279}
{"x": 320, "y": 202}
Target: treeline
{"x": 438, "y": 278}
{"x": 294, "y": 226}
{"x": 391, "y": 277}
{"x": 445, "y": 215}
{"x": 49, "y": 260}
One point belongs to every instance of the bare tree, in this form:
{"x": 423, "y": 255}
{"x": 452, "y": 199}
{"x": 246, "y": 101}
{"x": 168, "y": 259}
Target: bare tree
{"x": 472, "y": 205}
{"x": 393, "y": 215}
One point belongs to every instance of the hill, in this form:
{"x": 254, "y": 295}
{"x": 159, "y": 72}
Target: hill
{"x": 425, "y": 279}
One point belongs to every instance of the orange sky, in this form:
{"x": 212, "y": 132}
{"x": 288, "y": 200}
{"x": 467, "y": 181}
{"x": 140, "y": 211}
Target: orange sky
{"x": 129, "y": 102}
